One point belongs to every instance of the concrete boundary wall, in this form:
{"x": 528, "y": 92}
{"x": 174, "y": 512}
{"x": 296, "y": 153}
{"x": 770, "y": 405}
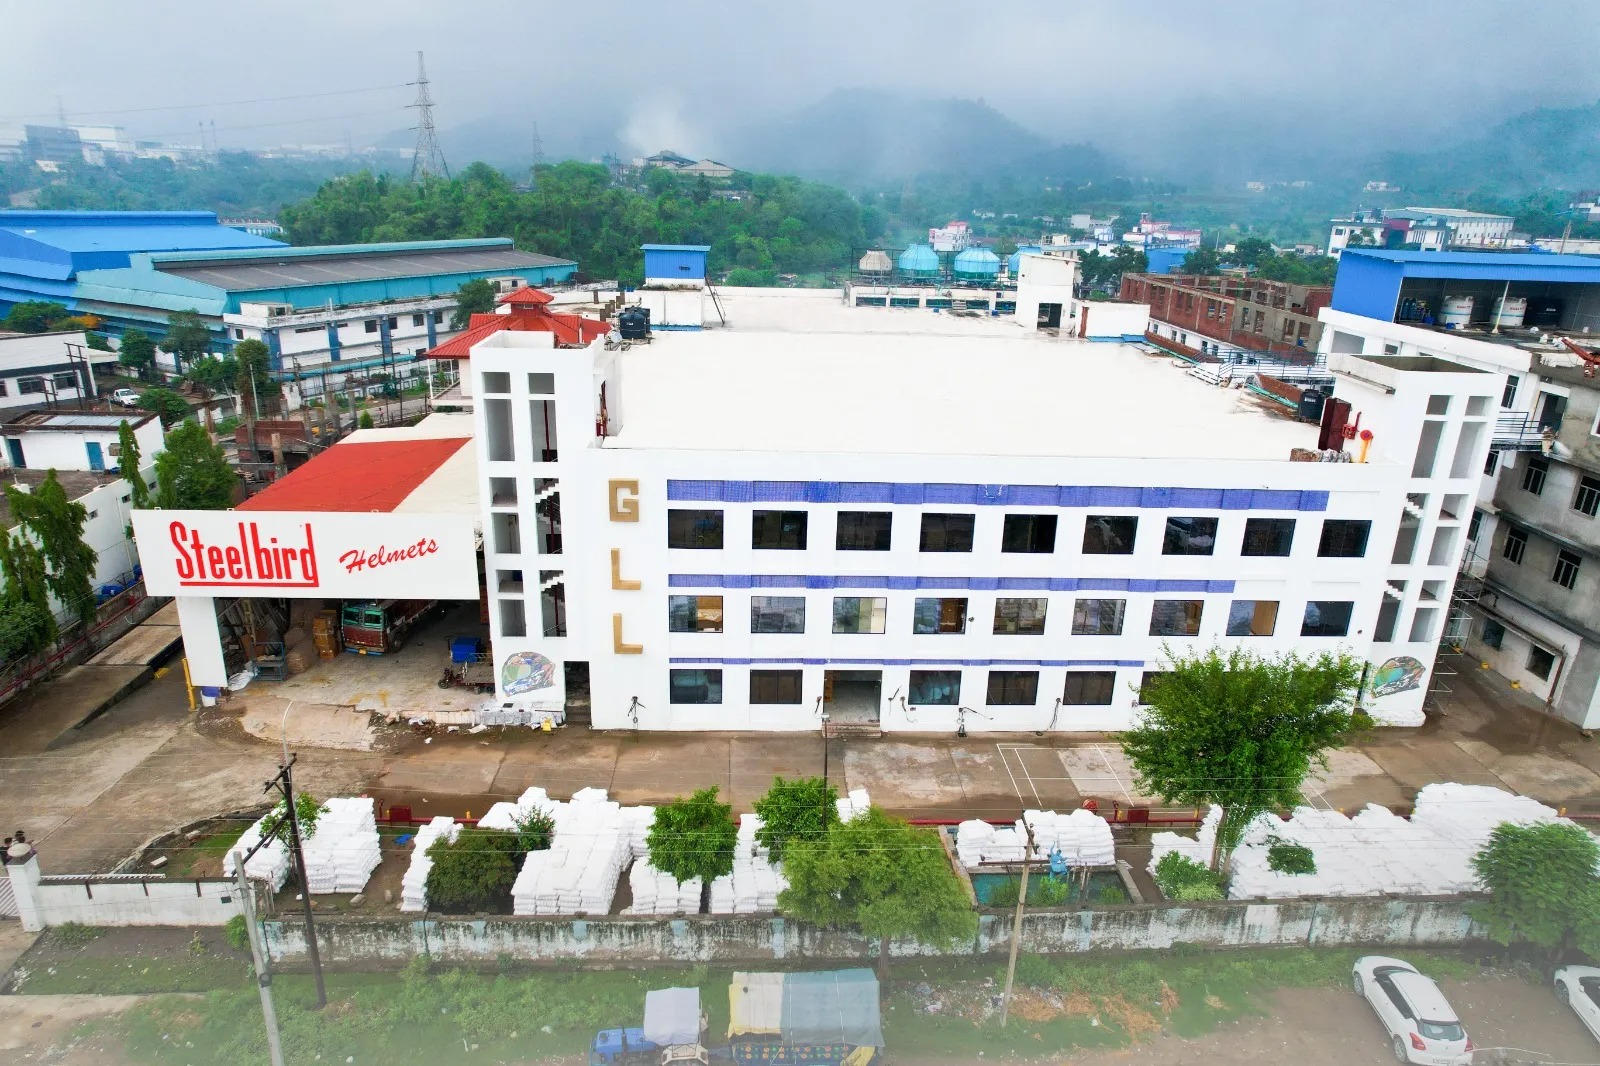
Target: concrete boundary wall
{"x": 774, "y": 939}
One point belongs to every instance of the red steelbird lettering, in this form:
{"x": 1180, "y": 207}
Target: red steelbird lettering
{"x": 358, "y": 559}
{"x": 251, "y": 559}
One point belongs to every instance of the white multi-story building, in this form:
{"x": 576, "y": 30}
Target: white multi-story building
{"x": 48, "y": 368}
{"x": 918, "y": 521}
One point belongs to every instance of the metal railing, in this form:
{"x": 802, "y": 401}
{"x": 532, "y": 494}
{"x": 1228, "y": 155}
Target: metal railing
{"x": 1520, "y": 431}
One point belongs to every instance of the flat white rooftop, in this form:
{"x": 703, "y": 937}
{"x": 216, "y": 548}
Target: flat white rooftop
{"x": 805, "y": 374}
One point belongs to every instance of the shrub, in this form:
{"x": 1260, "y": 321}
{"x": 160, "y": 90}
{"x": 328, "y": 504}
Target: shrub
{"x": 1036, "y": 971}
{"x": 472, "y": 873}
{"x": 74, "y": 934}
{"x": 1109, "y": 895}
{"x": 1042, "y": 892}
{"x": 237, "y": 932}
{"x": 1286, "y": 858}
{"x": 1183, "y": 880}
{"x": 534, "y": 831}
{"x": 365, "y": 421}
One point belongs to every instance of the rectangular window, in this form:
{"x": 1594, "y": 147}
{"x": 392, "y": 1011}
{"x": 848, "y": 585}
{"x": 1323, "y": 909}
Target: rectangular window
{"x": 946, "y": 533}
{"x": 694, "y": 686}
{"x": 1508, "y": 397}
{"x": 939, "y": 616}
{"x": 1516, "y": 544}
{"x": 778, "y": 530}
{"x": 65, "y": 381}
{"x": 1013, "y": 688}
{"x": 863, "y": 531}
{"x": 1252, "y": 618}
{"x": 25, "y": 386}
{"x": 1020, "y": 616}
{"x": 1475, "y": 526}
{"x": 1492, "y": 463}
{"x": 694, "y": 529}
{"x": 1031, "y": 534}
{"x": 1098, "y": 618}
{"x": 1566, "y": 572}
{"x": 438, "y": 316}
{"x": 393, "y": 323}
{"x": 416, "y": 320}
{"x": 1267, "y": 537}
{"x": 1587, "y": 498}
{"x": 859, "y": 614}
{"x": 694, "y": 614}
{"x": 1089, "y": 688}
{"x": 1326, "y": 618}
{"x": 777, "y": 614}
{"x": 775, "y": 686}
{"x": 1541, "y": 662}
{"x": 935, "y": 688}
{"x": 1344, "y": 538}
{"x": 1533, "y": 475}
{"x": 1147, "y": 681}
{"x": 1176, "y": 618}
{"x": 1493, "y": 633}
{"x": 370, "y": 325}
{"x": 1108, "y": 534}
{"x": 1190, "y": 536}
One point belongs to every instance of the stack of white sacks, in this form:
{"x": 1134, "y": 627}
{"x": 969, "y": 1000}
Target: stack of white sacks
{"x": 594, "y": 839}
{"x": 658, "y": 892}
{"x": 270, "y": 864}
{"x": 754, "y": 884}
{"x": 1374, "y": 853}
{"x": 855, "y": 802}
{"x": 343, "y": 851}
{"x": 414, "y": 886}
{"x": 1082, "y": 837}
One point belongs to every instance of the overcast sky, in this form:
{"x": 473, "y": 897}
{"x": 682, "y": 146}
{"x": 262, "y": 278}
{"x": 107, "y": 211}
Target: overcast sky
{"x": 675, "y": 72}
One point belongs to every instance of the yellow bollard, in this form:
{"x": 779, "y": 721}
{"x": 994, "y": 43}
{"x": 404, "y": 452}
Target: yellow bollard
{"x": 188, "y": 685}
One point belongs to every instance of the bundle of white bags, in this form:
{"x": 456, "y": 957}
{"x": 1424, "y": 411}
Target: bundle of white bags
{"x": 270, "y": 864}
{"x": 754, "y": 884}
{"x": 593, "y": 842}
{"x": 657, "y": 892}
{"x": 1082, "y": 837}
{"x": 505, "y": 815}
{"x": 855, "y": 802}
{"x": 343, "y": 850}
{"x": 414, "y": 885}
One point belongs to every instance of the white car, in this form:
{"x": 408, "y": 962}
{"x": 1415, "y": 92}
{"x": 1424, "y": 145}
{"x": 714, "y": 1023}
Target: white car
{"x": 1422, "y": 1026}
{"x": 1579, "y": 988}
{"x": 125, "y": 397}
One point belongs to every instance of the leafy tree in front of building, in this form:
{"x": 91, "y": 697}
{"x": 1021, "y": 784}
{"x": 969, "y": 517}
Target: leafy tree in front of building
{"x": 55, "y": 523}
{"x": 128, "y": 457}
{"x": 1241, "y": 731}
{"x": 29, "y": 619}
{"x": 693, "y": 836}
{"x": 1542, "y": 887}
{"x": 252, "y": 378}
{"x": 187, "y": 338}
{"x": 882, "y": 877}
{"x": 166, "y": 403}
{"x": 35, "y": 316}
{"x": 475, "y": 297}
{"x": 1202, "y": 260}
{"x": 192, "y": 472}
{"x": 138, "y": 353}
{"x": 802, "y": 808}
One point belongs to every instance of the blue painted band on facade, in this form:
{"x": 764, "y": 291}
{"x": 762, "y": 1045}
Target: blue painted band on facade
{"x": 902, "y": 662}
{"x": 922, "y": 493}
{"x": 975, "y": 584}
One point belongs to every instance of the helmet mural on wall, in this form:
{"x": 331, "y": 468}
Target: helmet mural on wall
{"x": 1399, "y": 674}
{"x": 526, "y": 671}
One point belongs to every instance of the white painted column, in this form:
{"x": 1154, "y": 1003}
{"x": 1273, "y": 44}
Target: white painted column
{"x": 202, "y": 642}
{"x": 23, "y": 869}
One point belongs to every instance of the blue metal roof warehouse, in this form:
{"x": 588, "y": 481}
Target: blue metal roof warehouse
{"x": 1373, "y": 282}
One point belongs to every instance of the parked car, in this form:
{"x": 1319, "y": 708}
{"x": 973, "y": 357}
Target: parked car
{"x": 125, "y": 397}
{"x": 1422, "y": 1026}
{"x": 1579, "y": 988}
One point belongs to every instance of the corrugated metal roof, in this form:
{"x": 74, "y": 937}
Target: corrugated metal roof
{"x": 1487, "y": 260}
{"x": 290, "y": 271}
{"x": 119, "y": 238}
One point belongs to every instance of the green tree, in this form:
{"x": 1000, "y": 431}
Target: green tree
{"x": 1542, "y": 886}
{"x": 97, "y": 341}
{"x": 128, "y": 462}
{"x": 26, "y": 596}
{"x": 188, "y": 338}
{"x": 1252, "y": 252}
{"x": 164, "y": 402}
{"x": 534, "y": 831}
{"x": 1241, "y": 731}
{"x": 192, "y": 472}
{"x": 1202, "y": 260}
{"x": 252, "y": 379}
{"x": 472, "y": 873}
{"x": 365, "y": 421}
{"x": 211, "y": 373}
{"x": 24, "y": 629}
{"x": 693, "y": 837}
{"x": 882, "y": 877}
{"x": 55, "y": 523}
{"x": 138, "y": 352}
{"x": 35, "y": 316}
{"x": 475, "y": 297}
{"x": 804, "y": 807}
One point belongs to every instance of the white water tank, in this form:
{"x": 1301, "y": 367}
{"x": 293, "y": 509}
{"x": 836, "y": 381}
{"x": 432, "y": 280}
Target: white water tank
{"x": 1456, "y": 312}
{"x": 1510, "y": 311}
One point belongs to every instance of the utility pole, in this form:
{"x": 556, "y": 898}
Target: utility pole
{"x": 284, "y": 783}
{"x": 428, "y": 159}
{"x": 247, "y": 899}
{"x": 1016, "y": 928}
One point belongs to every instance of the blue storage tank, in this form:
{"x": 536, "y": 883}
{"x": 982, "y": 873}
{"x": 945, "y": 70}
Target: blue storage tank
{"x": 977, "y": 264}
{"x": 1014, "y": 264}
{"x": 918, "y": 261}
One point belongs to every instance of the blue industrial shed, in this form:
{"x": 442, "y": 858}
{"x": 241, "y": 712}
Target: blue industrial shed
{"x": 675, "y": 262}
{"x": 1165, "y": 260}
{"x": 1370, "y": 282}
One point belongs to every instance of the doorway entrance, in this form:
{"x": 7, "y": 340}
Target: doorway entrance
{"x": 853, "y": 697}
{"x": 576, "y": 675}
{"x": 1049, "y": 316}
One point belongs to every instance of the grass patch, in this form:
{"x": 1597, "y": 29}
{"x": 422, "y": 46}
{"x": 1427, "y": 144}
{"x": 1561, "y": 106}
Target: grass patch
{"x": 119, "y": 975}
{"x": 208, "y": 850}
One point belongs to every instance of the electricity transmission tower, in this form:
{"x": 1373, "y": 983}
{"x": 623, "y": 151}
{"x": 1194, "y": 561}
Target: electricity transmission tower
{"x": 538, "y": 158}
{"x": 428, "y": 161}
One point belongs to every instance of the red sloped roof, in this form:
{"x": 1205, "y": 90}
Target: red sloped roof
{"x": 526, "y": 296}
{"x": 568, "y": 328}
{"x": 363, "y": 476}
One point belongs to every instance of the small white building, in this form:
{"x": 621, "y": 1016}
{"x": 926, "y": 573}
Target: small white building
{"x": 951, "y": 237}
{"x": 48, "y": 368}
